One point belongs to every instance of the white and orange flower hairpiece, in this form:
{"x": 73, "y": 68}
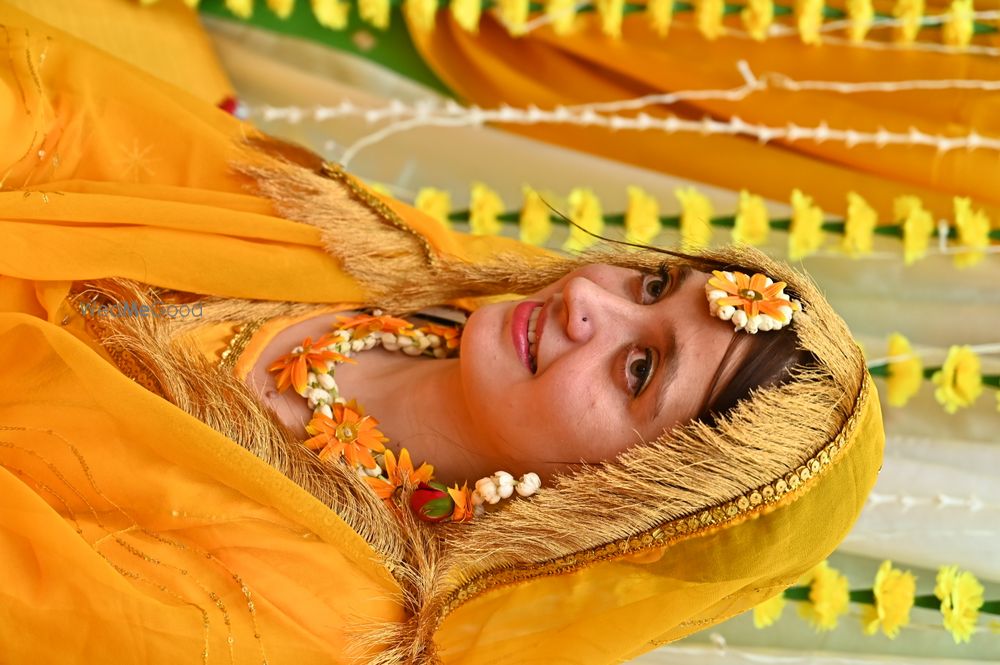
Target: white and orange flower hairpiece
{"x": 750, "y": 303}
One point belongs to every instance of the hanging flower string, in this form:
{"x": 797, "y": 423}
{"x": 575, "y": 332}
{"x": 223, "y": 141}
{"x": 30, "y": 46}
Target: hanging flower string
{"x": 959, "y": 382}
{"x": 340, "y": 430}
{"x": 969, "y": 232}
{"x": 959, "y": 24}
{"x": 823, "y": 596}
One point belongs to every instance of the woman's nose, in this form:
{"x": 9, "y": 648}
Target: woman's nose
{"x": 588, "y": 306}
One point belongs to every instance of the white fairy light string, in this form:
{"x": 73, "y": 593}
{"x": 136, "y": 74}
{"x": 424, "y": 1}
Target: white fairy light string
{"x": 452, "y": 114}
{"x": 734, "y": 126}
{"x": 978, "y": 349}
{"x": 397, "y": 109}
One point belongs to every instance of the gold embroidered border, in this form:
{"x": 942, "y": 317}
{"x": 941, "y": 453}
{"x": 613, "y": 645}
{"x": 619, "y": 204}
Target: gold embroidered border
{"x": 336, "y": 172}
{"x": 678, "y": 529}
{"x": 238, "y": 344}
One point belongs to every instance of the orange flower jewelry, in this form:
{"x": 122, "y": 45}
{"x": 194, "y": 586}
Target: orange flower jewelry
{"x": 750, "y": 303}
{"x": 342, "y": 431}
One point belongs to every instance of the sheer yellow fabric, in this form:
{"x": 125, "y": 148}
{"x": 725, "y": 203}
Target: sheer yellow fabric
{"x": 133, "y": 532}
{"x": 544, "y": 69}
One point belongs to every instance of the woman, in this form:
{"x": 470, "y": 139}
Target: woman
{"x": 136, "y": 531}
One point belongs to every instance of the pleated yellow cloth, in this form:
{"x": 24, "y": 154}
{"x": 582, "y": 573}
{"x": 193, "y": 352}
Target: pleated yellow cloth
{"x": 130, "y": 531}
{"x": 546, "y": 69}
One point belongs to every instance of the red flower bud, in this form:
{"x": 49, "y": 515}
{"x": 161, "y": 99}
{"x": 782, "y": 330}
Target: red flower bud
{"x": 431, "y": 502}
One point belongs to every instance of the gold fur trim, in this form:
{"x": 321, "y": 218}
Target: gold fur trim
{"x": 748, "y": 504}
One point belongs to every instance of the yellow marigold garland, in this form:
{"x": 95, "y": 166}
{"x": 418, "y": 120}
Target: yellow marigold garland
{"x": 241, "y": 8}
{"x": 918, "y": 227}
{"x": 467, "y": 14}
{"x": 767, "y": 613}
{"x": 421, "y": 13}
{"x": 611, "y": 12}
{"x": 331, "y": 14}
{"x": 961, "y": 596}
{"x": 642, "y": 217}
{"x": 959, "y": 27}
{"x": 757, "y": 17}
{"x": 861, "y": 13}
{"x": 751, "y": 226}
{"x": 661, "y": 14}
{"x": 828, "y": 597}
{"x": 959, "y": 381}
{"x": 906, "y": 375}
{"x": 281, "y": 8}
{"x": 973, "y": 229}
{"x": 708, "y": 18}
{"x": 514, "y": 14}
{"x": 894, "y": 592}
{"x": 806, "y": 233}
{"x": 585, "y": 212}
{"x": 809, "y": 18}
{"x": 696, "y": 218}
{"x": 910, "y": 13}
{"x": 859, "y": 227}
{"x": 435, "y": 203}
{"x": 535, "y": 221}
{"x": 562, "y": 14}
{"x": 484, "y": 207}
{"x": 374, "y": 12}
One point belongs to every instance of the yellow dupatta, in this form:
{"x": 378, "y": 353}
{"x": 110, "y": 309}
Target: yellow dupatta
{"x": 134, "y": 531}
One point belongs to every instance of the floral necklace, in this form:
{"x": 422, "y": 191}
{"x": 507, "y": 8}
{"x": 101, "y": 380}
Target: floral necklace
{"x": 341, "y": 430}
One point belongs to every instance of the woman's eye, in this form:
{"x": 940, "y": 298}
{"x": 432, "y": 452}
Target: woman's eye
{"x": 639, "y": 367}
{"x": 654, "y": 286}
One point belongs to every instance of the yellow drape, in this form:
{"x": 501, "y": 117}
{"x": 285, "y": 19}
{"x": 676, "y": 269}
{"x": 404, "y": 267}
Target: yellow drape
{"x": 544, "y": 69}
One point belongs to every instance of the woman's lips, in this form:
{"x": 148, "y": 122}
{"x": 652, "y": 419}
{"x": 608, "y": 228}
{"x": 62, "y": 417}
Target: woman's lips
{"x": 519, "y": 331}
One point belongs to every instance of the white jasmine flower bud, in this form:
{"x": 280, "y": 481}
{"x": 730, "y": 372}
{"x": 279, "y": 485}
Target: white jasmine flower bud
{"x": 404, "y": 341}
{"x": 374, "y": 471}
{"x": 488, "y": 490}
{"x": 357, "y": 345}
{"x": 326, "y": 382}
{"x": 388, "y": 338}
{"x": 503, "y": 478}
{"x": 434, "y": 340}
{"x": 412, "y": 350}
{"x": 311, "y": 380}
{"x": 319, "y": 396}
{"x": 726, "y": 312}
{"x": 477, "y": 498}
{"x": 530, "y": 482}
{"x": 440, "y": 352}
{"x": 370, "y": 342}
{"x": 739, "y": 318}
{"x": 423, "y": 342}
{"x": 325, "y": 410}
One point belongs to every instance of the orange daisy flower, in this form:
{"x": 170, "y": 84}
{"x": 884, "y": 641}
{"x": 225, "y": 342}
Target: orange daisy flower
{"x": 752, "y": 294}
{"x": 294, "y": 367}
{"x": 464, "y": 508}
{"x": 398, "y": 473}
{"x": 450, "y": 336}
{"x": 348, "y": 434}
{"x": 362, "y": 325}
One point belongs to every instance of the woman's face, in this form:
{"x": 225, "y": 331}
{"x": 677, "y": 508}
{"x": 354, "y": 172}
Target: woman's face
{"x": 598, "y": 361}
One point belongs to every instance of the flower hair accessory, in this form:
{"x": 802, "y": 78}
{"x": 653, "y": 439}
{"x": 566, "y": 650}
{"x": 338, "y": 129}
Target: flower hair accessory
{"x": 751, "y": 303}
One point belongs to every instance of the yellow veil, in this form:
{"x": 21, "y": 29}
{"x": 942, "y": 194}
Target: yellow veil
{"x": 133, "y": 531}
